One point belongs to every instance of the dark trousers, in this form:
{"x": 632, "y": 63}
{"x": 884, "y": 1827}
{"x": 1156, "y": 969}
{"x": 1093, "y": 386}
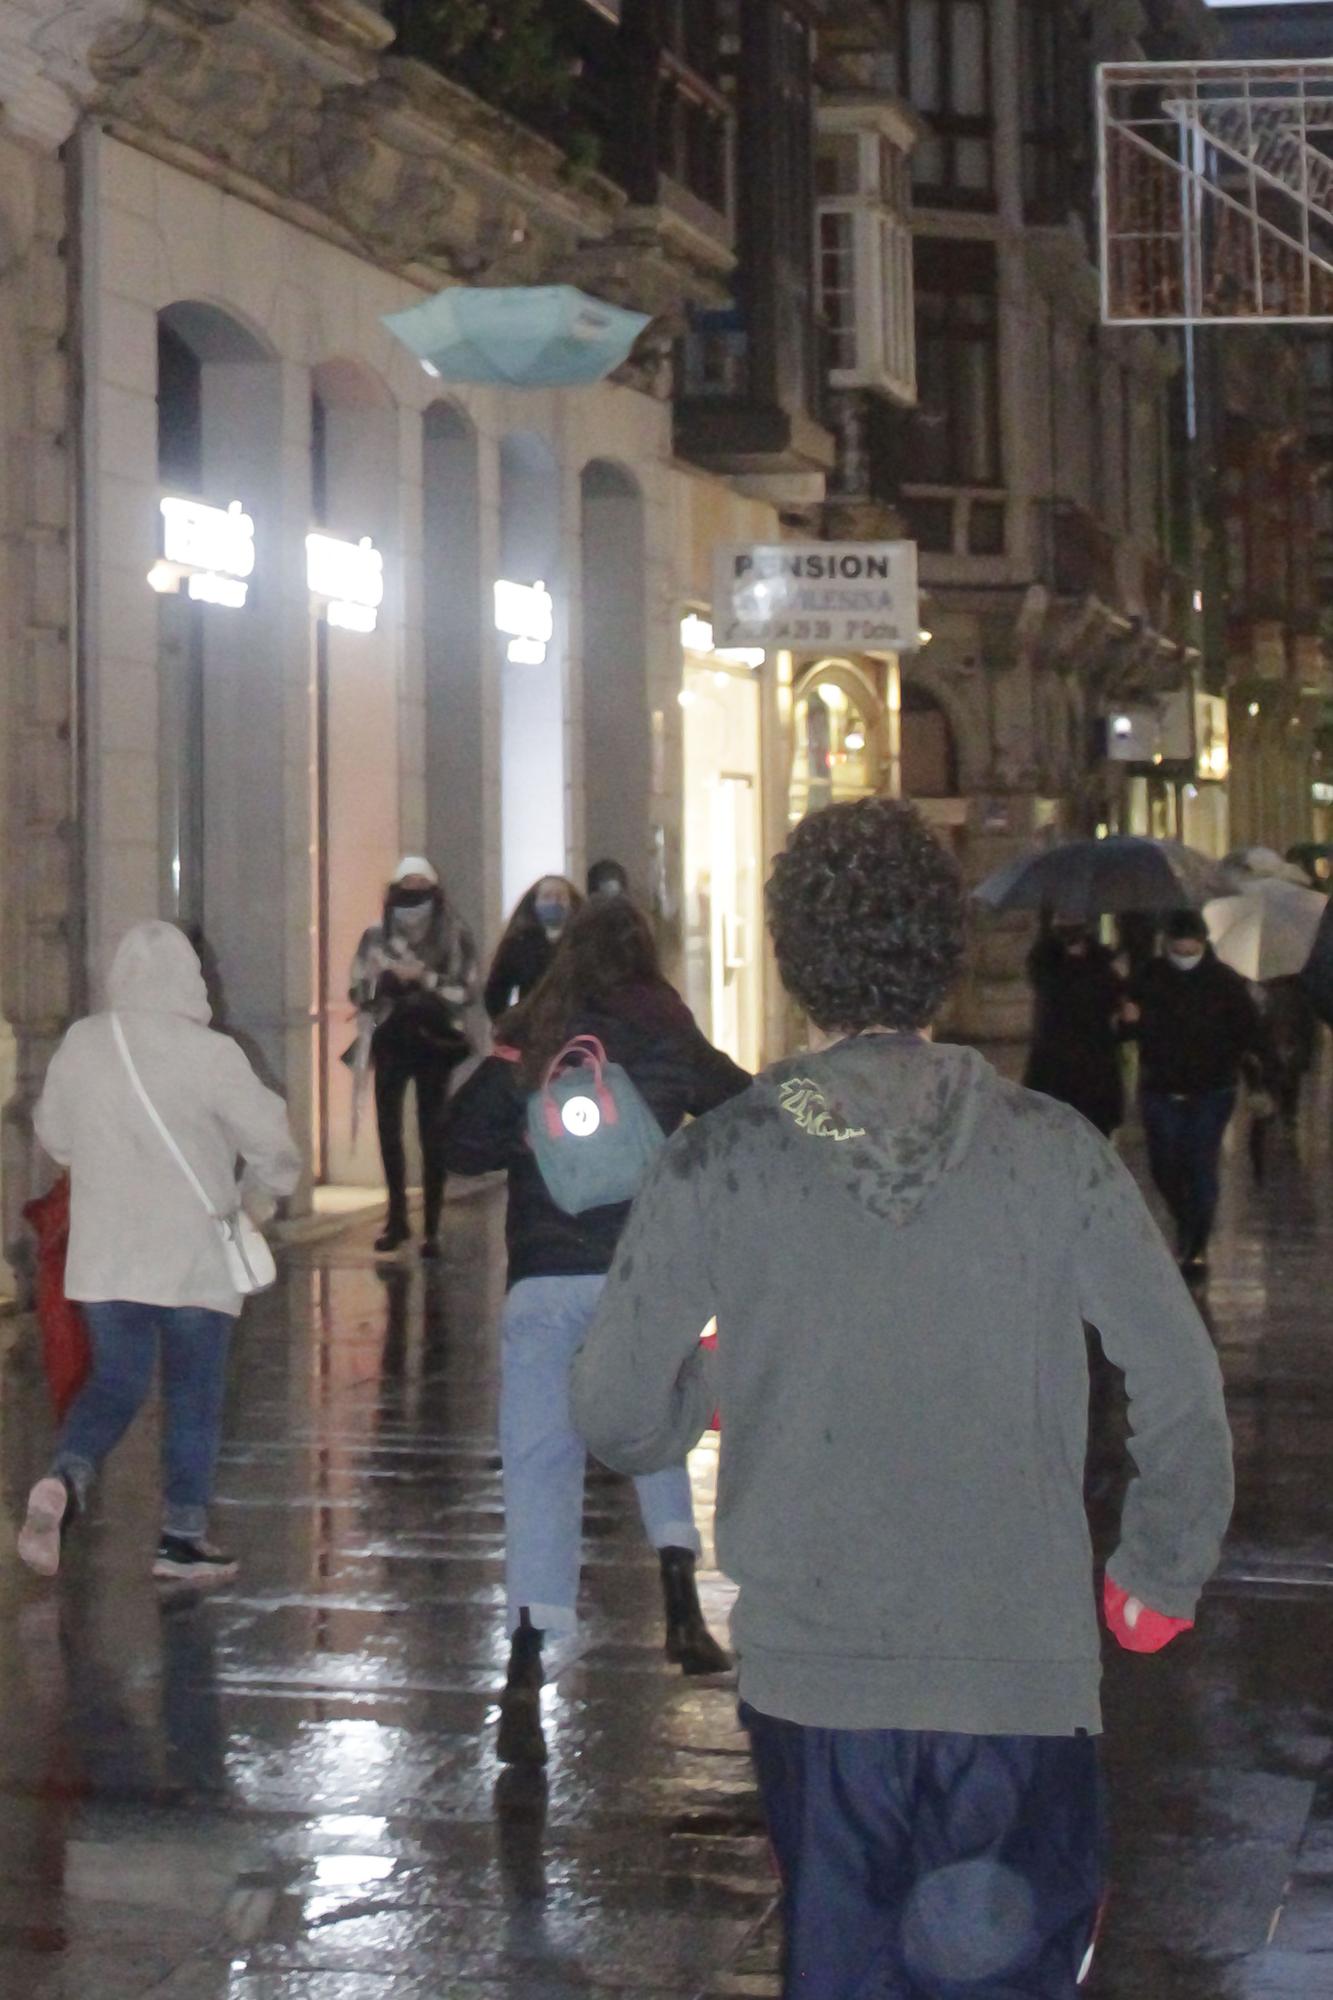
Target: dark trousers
{"x": 395, "y": 1068}
{"x": 918, "y": 1865}
{"x": 1184, "y": 1137}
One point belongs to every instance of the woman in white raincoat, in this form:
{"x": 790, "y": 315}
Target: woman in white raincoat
{"x": 146, "y": 1257}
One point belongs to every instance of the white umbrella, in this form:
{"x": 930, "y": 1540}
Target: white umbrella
{"x": 1268, "y": 931}
{"x": 1251, "y": 864}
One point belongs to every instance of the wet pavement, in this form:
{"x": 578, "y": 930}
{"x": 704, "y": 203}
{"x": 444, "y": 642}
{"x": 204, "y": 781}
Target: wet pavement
{"x": 289, "y": 1791}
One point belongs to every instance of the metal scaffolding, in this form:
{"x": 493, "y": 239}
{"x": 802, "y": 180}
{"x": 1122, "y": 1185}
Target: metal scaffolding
{"x": 1216, "y": 192}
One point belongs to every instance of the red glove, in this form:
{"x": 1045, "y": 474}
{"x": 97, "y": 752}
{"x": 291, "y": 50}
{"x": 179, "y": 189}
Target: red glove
{"x": 1138, "y": 1628}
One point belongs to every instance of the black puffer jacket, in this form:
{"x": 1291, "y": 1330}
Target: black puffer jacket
{"x": 653, "y": 1036}
{"x": 1197, "y": 1029}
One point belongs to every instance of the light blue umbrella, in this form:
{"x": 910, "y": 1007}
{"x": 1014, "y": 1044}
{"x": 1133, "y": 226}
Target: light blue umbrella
{"x": 530, "y": 336}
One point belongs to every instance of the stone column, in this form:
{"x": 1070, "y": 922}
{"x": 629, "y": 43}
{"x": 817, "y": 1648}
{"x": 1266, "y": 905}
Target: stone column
{"x": 38, "y": 934}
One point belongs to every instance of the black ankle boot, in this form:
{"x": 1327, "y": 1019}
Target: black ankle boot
{"x": 396, "y": 1233}
{"x": 689, "y": 1643}
{"x": 521, "y": 1740}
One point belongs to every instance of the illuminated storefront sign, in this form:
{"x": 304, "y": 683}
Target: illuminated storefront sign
{"x": 346, "y": 579}
{"x": 696, "y": 636}
{"x": 845, "y": 594}
{"x": 209, "y": 550}
{"x": 525, "y": 614}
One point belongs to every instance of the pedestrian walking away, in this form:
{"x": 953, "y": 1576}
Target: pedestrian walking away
{"x": 146, "y": 1258}
{"x": 1199, "y": 1032}
{"x": 413, "y": 978}
{"x": 523, "y": 957}
{"x": 1075, "y": 1054}
{"x": 606, "y": 983}
{"x": 901, "y": 1250}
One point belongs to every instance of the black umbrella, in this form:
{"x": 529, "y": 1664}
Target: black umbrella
{"x": 1082, "y": 879}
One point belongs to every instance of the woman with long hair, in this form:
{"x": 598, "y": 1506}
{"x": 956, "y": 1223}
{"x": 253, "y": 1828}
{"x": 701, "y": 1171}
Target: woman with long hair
{"x": 524, "y": 954}
{"x": 605, "y": 981}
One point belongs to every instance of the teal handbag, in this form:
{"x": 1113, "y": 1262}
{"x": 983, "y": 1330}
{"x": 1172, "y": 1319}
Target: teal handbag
{"x": 590, "y": 1131}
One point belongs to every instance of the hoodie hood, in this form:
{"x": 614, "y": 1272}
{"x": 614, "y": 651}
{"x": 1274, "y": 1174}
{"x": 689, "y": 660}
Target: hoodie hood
{"x": 890, "y": 1117}
{"x": 156, "y": 970}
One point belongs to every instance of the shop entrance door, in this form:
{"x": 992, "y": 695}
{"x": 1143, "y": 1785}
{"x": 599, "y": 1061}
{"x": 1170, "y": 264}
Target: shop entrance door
{"x": 723, "y": 839}
{"x": 735, "y": 939}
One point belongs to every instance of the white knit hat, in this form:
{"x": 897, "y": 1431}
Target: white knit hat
{"x": 416, "y": 864}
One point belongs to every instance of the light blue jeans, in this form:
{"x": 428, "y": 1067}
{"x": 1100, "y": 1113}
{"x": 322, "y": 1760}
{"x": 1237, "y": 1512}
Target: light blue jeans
{"x": 545, "y": 1320}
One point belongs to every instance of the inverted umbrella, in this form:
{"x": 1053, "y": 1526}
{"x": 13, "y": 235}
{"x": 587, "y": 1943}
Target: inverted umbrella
{"x": 1082, "y": 879}
{"x": 1268, "y": 931}
{"x": 1251, "y": 864}
{"x": 529, "y": 336}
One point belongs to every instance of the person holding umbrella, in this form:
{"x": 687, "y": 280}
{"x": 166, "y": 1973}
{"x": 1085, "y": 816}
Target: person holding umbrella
{"x": 1199, "y": 1032}
{"x": 1075, "y": 1052}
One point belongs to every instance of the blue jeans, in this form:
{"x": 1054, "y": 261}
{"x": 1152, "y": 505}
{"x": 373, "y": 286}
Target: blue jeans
{"x": 545, "y": 1320}
{"x": 932, "y": 1866}
{"x": 125, "y": 1341}
{"x": 1184, "y": 1137}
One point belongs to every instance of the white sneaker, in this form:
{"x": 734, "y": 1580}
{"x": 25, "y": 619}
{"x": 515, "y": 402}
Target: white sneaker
{"x": 40, "y": 1535}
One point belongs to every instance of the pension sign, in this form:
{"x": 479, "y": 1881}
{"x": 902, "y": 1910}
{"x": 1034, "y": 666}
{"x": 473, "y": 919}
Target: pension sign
{"x": 846, "y": 594}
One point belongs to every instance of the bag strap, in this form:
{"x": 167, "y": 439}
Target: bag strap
{"x": 584, "y": 1051}
{"x": 157, "y": 1119}
{"x": 585, "y": 1056}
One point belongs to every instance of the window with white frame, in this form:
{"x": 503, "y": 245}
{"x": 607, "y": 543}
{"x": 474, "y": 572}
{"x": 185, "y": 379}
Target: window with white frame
{"x": 864, "y": 249}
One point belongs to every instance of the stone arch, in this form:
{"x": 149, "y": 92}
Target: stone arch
{"x": 617, "y": 731}
{"x": 346, "y": 383}
{"x": 831, "y": 758}
{"x": 217, "y": 332}
{"x": 852, "y": 678}
{"x": 930, "y": 759}
{"x": 221, "y": 782}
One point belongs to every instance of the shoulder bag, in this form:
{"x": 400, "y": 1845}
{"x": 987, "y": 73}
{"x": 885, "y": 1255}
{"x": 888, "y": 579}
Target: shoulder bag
{"x": 249, "y": 1260}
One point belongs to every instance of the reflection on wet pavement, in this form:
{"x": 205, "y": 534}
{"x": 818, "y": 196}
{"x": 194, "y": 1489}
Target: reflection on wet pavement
{"x": 289, "y": 1792}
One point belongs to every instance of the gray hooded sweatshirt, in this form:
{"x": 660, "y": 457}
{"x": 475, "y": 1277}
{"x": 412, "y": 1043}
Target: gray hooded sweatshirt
{"x": 137, "y": 1228}
{"x": 901, "y": 1250}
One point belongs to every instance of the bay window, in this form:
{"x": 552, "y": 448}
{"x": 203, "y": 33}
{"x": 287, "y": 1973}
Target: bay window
{"x": 864, "y": 249}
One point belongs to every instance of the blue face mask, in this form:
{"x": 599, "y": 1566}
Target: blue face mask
{"x": 550, "y": 914}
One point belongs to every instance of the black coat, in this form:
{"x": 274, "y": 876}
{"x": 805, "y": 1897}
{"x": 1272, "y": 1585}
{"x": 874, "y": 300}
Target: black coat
{"x": 1197, "y": 1029}
{"x": 652, "y": 1034}
{"x": 1075, "y": 1053}
{"x": 521, "y": 963}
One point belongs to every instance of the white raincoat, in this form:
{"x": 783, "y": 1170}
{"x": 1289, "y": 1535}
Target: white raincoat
{"x": 137, "y": 1228}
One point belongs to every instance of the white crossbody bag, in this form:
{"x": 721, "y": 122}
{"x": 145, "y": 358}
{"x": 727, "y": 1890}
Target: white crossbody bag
{"x": 250, "y": 1264}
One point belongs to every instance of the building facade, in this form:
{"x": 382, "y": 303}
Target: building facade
{"x": 1028, "y": 451}
{"x": 284, "y": 605}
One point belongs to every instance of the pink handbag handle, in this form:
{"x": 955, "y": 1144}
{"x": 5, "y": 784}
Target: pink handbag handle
{"x": 584, "y": 1051}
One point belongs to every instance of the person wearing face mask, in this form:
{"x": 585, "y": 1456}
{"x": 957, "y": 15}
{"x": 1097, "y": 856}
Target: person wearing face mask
{"x": 1075, "y": 1051}
{"x": 413, "y": 977}
{"x": 1199, "y": 1032}
{"x": 608, "y": 878}
{"x": 524, "y": 954}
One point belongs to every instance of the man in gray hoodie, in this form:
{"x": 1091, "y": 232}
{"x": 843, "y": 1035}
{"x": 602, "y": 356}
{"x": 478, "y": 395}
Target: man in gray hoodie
{"x": 901, "y": 1250}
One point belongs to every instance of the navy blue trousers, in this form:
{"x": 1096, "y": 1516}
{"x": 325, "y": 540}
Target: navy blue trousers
{"x": 923, "y": 1866}
{"x": 1185, "y": 1137}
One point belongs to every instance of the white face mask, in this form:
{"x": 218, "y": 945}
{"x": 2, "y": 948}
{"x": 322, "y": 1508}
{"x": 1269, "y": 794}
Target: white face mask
{"x": 1185, "y": 961}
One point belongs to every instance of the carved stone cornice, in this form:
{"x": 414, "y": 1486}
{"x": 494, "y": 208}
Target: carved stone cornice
{"x": 44, "y": 67}
{"x": 298, "y": 106}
